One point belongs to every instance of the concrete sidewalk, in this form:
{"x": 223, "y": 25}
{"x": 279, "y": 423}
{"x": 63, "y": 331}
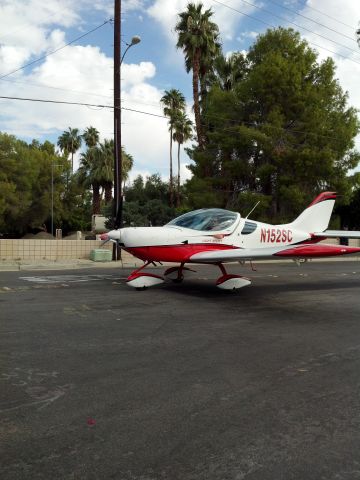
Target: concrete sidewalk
{"x": 127, "y": 261}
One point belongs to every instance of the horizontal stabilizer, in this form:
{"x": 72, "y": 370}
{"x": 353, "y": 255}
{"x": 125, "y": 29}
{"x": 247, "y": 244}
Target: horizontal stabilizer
{"x": 338, "y": 234}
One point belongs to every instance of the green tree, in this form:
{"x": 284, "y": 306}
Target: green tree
{"x": 174, "y": 103}
{"x": 147, "y": 202}
{"x": 198, "y": 37}
{"x": 26, "y": 184}
{"x": 283, "y": 131}
{"x": 182, "y": 133}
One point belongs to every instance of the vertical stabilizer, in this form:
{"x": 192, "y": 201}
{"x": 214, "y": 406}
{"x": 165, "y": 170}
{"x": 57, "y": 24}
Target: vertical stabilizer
{"x": 316, "y": 217}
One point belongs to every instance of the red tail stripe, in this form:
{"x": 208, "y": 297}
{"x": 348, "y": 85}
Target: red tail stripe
{"x": 322, "y": 197}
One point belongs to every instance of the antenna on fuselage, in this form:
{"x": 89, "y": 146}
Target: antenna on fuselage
{"x": 247, "y": 216}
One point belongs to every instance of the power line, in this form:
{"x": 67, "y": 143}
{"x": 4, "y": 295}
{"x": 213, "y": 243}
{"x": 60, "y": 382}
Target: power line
{"x": 83, "y": 104}
{"x": 144, "y": 113}
{"x": 243, "y": 123}
{"x": 288, "y": 21}
{"x": 63, "y": 102}
{"x": 56, "y": 50}
{"x": 332, "y": 18}
{"x": 69, "y": 90}
{"x": 273, "y": 26}
{"x": 311, "y": 20}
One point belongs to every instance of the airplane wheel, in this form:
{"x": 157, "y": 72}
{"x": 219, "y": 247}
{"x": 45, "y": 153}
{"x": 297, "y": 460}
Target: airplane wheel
{"x": 140, "y": 289}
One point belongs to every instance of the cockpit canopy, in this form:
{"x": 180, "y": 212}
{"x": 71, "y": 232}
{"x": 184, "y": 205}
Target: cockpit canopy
{"x": 206, "y": 219}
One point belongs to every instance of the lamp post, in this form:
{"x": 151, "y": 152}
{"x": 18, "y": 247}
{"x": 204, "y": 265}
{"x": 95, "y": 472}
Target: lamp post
{"x": 118, "y": 59}
{"x": 52, "y": 195}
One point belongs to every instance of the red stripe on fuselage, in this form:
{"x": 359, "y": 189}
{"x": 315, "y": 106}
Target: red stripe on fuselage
{"x": 174, "y": 253}
{"x": 317, "y": 250}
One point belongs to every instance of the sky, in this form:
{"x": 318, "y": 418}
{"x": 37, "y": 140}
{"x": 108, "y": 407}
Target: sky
{"x": 83, "y": 71}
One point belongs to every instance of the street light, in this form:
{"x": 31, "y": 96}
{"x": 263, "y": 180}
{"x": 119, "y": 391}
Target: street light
{"x": 118, "y": 59}
{"x": 136, "y": 39}
{"x": 118, "y": 204}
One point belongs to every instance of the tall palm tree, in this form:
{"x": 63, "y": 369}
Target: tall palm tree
{"x": 70, "y": 142}
{"x": 182, "y": 133}
{"x": 173, "y": 102}
{"x": 198, "y": 37}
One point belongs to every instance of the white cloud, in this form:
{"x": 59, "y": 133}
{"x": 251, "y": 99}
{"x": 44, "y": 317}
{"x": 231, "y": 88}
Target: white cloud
{"x": 79, "y": 69}
{"x": 244, "y": 36}
{"x": 134, "y": 74}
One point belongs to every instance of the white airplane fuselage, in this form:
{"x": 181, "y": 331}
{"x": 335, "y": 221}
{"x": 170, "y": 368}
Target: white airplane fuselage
{"x": 178, "y": 244}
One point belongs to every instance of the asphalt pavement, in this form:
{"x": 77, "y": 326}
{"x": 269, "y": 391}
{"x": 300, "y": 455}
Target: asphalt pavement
{"x": 181, "y": 381}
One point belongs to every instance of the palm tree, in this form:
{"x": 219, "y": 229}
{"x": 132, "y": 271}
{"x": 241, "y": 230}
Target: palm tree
{"x": 182, "y": 133}
{"x": 87, "y": 178}
{"x": 91, "y": 137}
{"x": 198, "y": 37}
{"x": 70, "y": 142}
{"x": 104, "y": 157}
{"x": 103, "y": 167}
{"x": 127, "y": 165}
{"x": 96, "y": 171}
{"x": 174, "y": 102}
{"x": 229, "y": 70}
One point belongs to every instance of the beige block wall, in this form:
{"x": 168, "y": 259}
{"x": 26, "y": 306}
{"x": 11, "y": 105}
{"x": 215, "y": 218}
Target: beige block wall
{"x": 48, "y": 249}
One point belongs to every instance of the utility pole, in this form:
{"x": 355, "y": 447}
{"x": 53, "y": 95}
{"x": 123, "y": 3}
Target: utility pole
{"x": 117, "y": 117}
{"x": 118, "y": 177}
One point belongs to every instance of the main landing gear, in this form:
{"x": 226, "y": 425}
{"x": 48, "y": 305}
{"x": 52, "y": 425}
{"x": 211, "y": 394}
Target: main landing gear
{"x": 230, "y": 282}
{"x": 141, "y": 280}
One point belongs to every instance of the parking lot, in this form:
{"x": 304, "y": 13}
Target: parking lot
{"x": 181, "y": 381}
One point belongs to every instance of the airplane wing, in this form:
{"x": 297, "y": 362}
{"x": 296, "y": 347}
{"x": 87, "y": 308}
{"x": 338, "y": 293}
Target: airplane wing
{"x": 338, "y": 234}
{"x": 235, "y": 254}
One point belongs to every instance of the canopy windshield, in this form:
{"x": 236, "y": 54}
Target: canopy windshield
{"x": 206, "y": 219}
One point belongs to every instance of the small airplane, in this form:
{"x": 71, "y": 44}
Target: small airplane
{"x": 216, "y": 236}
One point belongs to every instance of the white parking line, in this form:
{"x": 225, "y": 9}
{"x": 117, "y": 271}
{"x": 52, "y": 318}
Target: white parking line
{"x": 66, "y": 278}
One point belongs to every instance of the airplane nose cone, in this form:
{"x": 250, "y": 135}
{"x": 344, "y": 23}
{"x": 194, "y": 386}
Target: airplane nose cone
{"x": 104, "y": 236}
